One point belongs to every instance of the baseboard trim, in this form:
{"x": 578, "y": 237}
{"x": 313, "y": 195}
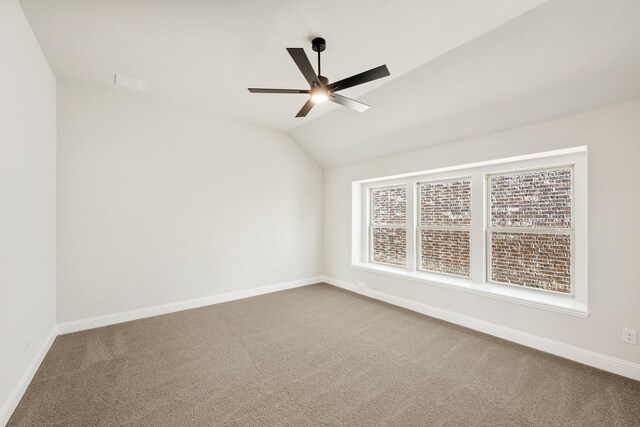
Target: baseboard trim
{"x": 19, "y": 389}
{"x": 10, "y": 404}
{"x": 577, "y": 354}
{"x": 126, "y": 316}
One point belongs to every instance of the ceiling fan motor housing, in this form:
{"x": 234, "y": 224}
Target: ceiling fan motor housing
{"x": 318, "y": 44}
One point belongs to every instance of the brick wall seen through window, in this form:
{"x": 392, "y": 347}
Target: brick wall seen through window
{"x": 388, "y": 233}
{"x": 445, "y": 219}
{"x": 531, "y": 229}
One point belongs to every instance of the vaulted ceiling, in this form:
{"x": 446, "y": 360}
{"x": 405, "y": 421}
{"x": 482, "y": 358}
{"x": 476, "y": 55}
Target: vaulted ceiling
{"x": 563, "y": 57}
{"x": 459, "y": 67}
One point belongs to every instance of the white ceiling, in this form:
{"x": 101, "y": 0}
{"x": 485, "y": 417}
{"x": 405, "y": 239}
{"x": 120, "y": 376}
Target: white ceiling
{"x": 562, "y": 57}
{"x": 458, "y": 67}
{"x": 203, "y": 54}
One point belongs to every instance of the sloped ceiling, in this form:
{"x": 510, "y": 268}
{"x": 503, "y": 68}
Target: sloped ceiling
{"x": 562, "y": 57}
{"x": 203, "y": 54}
{"x": 459, "y": 67}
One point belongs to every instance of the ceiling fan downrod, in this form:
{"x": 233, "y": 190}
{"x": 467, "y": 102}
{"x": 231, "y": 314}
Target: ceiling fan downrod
{"x": 319, "y": 45}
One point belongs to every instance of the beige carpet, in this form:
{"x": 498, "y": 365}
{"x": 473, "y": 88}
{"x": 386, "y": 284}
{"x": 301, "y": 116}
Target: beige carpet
{"x": 316, "y": 355}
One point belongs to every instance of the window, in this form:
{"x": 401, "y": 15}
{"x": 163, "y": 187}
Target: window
{"x": 513, "y": 229}
{"x": 388, "y": 227}
{"x": 530, "y": 230}
{"x": 445, "y": 227}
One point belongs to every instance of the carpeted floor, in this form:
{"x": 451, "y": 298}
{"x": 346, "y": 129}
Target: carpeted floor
{"x": 315, "y": 355}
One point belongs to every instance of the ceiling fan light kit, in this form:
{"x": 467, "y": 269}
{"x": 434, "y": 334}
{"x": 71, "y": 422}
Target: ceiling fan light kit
{"x": 320, "y": 90}
{"x": 319, "y": 94}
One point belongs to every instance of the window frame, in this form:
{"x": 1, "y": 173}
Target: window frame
{"x": 535, "y": 230}
{"x": 575, "y": 303}
{"x": 420, "y": 227}
{"x": 371, "y": 226}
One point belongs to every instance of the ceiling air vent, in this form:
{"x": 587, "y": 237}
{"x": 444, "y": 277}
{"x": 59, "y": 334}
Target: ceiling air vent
{"x": 131, "y": 83}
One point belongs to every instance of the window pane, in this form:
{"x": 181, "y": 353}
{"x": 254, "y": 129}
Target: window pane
{"x": 445, "y": 251}
{"x": 389, "y": 205}
{"x": 389, "y": 246}
{"x": 532, "y": 199}
{"x": 446, "y": 203}
{"x": 533, "y": 260}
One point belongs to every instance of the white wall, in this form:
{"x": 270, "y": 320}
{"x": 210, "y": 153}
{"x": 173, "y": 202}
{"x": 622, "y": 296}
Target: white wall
{"x": 27, "y": 200}
{"x": 612, "y": 136}
{"x": 158, "y": 204}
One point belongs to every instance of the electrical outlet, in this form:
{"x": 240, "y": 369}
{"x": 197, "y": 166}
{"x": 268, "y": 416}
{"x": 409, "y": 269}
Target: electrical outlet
{"x": 233, "y": 279}
{"x": 629, "y": 336}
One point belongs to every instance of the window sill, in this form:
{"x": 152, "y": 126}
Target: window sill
{"x": 528, "y": 297}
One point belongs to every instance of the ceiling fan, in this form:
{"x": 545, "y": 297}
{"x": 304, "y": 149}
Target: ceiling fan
{"x": 320, "y": 88}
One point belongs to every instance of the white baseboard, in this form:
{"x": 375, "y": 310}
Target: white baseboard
{"x": 10, "y": 404}
{"x": 587, "y": 357}
{"x": 18, "y": 390}
{"x": 577, "y": 354}
{"x": 126, "y": 316}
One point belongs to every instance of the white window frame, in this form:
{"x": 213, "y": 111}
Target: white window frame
{"x": 421, "y": 227}
{"x": 575, "y": 303}
{"x": 369, "y": 205}
{"x": 533, "y": 230}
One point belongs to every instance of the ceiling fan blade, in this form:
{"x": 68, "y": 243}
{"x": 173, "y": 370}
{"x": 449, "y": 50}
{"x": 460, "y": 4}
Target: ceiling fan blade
{"x": 305, "y": 109}
{"x": 302, "y": 61}
{"x": 358, "y": 79}
{"x": 262, "y": 90}
{"x": 348, "y": 102}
